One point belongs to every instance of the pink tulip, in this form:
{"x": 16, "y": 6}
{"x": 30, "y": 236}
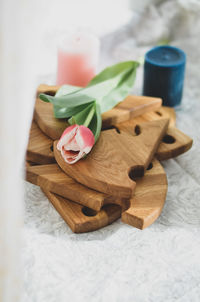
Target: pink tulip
{"x": 75, "y": 142}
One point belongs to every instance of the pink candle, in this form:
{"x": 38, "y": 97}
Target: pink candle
{"x": 77, "y": 59}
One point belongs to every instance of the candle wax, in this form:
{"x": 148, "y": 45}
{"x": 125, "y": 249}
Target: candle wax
{"x": 77, "y": 59}
{"x": 73, "y": 69}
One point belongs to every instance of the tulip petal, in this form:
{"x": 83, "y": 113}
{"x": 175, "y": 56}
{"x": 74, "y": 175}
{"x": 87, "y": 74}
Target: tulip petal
{"x": 71, "y": 157}
{"x": 85, "y": 139}
{"x": 75, "y": 142}
{"x": 67, "y": 135}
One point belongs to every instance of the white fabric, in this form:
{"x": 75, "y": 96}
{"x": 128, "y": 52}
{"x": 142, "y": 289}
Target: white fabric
{"x": 16, "y": 104}
{"x": 119, "y": 262}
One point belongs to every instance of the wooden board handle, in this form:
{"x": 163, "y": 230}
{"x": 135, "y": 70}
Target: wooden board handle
{"x": 149, "y": 197}
{"x": 56, "y": 181}
{"x": 82, "y": 219}
{"x": 47, "y": 89}
{"x": 173, "y": 144}
{"x": 79, "y": 218}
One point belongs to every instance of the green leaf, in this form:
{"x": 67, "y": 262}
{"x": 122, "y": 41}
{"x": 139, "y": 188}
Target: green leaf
{"x": 83, "y": 117}
{"x": 96, "y": 122}
{"x": 113, "y": 71}
{"x": 108, "y": 88}
{"x": 69, "y": 100}
{"x": 85, "y": 105}
{"x": 66, "y": 89}
{"x": 119, "y": 92}
{"x": 46, "y": 98}
{"x": 163, "y": 42}
{"x": 63, "y": 112}
{"x": 89, "y": 117}
{"x": 111, "y": 81}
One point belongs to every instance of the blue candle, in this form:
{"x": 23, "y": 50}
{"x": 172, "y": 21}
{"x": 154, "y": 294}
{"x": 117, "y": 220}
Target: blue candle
{"x": 164, "y": 69}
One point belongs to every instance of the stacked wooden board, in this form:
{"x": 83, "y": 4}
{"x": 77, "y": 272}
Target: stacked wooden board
{"x": 122, "y": 176}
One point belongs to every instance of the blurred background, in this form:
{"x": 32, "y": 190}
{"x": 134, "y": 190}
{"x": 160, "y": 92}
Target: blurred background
{"x": 29, "y": 35}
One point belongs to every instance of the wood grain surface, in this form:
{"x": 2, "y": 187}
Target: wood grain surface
{"x": 82, "y": 219}
{"x": 174, "y": 143}
{"x": 40, "y": 146}
{"x": 48, "y": 89}
{"x": 79, "y": 218}
{"x": 116, "y": 159}
{"x": 95, "y": 210}
{"x": 146, "y": 204}
{"x": 149, "y": 197}
{"x": 131, "y": 107}
{"x": 53, "y": 179}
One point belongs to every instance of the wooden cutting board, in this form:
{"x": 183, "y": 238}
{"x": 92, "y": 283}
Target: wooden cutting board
{"x": 146, "y": 204}
{"x": 80, "y": 218}
{"x": 131, "y": 107}
{"x": 50, "y": 177}
{"x": 139, "y": 218}
{"x": 174, "y": 143}
{"x": 53, "y": 179}
{"x": 40, "y": 147}
{"x": 149, "y": 197}
{"x": 116, "y": 159}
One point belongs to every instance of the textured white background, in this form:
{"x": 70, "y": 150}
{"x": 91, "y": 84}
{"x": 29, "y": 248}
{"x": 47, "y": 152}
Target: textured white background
{"x": 120, "y": 263}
